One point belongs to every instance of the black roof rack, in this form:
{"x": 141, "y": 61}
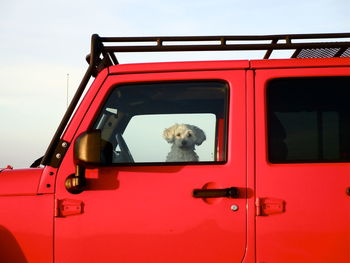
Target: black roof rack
{"x": 304, "y": 45}
{"x": 103, "y": 50}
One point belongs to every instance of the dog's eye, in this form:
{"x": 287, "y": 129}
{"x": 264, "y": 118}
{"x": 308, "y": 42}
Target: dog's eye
{"x": 178, "y": 135}
{"x": 189, "y": 135}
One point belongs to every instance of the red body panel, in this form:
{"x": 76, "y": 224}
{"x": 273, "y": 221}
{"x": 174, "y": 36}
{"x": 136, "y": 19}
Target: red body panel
{"x": 148, "y": 213}
{"x": 315, "y": 226}
{"x": 179, "y": 66}
{"x": 20, "y": 182}
{"x": 300, "y": 63}
{"x": 26, "y": 228}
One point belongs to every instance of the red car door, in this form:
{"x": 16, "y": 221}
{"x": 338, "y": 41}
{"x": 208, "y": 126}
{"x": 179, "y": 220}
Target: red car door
{"x": 302, "y": 163}
{"x": 141, "y": 208}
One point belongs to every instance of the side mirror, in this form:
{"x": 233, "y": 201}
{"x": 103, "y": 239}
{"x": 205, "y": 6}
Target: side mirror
{"x": 90, "y": 151}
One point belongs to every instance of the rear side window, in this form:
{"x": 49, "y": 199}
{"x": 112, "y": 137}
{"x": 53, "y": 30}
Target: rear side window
{"x": 309, "y": 120}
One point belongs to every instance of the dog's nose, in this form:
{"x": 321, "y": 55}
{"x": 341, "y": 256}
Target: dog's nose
{"x": 184, "y": 143}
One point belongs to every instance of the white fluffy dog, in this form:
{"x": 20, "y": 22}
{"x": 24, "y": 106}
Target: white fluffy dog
{"x": 184, "y": 137}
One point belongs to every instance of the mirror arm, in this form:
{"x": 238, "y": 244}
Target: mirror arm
{"x": 76, "y": 183}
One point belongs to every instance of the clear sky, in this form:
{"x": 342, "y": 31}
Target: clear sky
{"x": 43, "y": 41}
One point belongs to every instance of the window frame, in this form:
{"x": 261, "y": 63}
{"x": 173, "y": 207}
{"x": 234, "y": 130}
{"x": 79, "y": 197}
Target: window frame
{"x": 219, "y": 131}
{"x": 268, "y": 121}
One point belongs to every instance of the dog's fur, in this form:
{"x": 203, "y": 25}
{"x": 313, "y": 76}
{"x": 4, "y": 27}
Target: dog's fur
{"x": 184, "y": 137}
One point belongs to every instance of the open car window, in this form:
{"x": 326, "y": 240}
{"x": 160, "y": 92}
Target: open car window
{"x": 166, "y": 122}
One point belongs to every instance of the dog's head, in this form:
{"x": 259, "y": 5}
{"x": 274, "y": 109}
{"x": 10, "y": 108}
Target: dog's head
{"x": 184, "y": 135}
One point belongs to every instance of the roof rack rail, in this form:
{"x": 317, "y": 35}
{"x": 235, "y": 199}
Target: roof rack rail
{"x": 269, "y": 43}
{"x": 103, "y": 51}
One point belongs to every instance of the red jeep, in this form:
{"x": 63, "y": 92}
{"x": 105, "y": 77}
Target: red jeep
{"x": 269, "y": 180}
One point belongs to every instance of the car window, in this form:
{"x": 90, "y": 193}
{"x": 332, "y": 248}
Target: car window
{"x": 166, "y": 122}
{"x": 309, "y": 119}
{"x": 150, "y": 136}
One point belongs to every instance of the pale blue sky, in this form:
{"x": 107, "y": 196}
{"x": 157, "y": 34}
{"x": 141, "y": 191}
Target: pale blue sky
{"x": 43, "y": 41}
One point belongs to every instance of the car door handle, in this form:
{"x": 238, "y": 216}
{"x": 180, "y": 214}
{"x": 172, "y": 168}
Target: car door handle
{"x": 231, "y": 192}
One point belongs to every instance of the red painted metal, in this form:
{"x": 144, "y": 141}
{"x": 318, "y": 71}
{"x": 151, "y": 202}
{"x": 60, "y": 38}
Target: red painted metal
{"x": 68, "y": 207}
{"x": 148, "y": 213}
{"x": 47, "y": 181}
{"x": 315, "y": 226}
{"x": 220, "y": 149}
{"x": 19, "y": 182}
{"x": 250, "y": 255}
{"x": 269, "y": 206}
{"x": 300, "y": 63}
{"x": 179, "y": 66}
{"x": 26, "y": 218}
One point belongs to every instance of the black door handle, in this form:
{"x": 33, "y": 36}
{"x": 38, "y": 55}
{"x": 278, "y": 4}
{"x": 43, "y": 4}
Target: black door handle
{"x": 231, "y": 192}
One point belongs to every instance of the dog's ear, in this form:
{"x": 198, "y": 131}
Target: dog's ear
{"x": 169, "y": 134}
{"x": 200, "y": 135}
